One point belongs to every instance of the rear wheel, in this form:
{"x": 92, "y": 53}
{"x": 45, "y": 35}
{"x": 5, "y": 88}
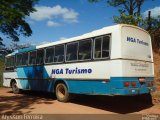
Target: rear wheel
{"x": 62, "y": 92}
{"x": 15, "y": 88}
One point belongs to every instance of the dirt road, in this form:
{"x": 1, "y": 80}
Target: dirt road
{"x": 46, "y": 103}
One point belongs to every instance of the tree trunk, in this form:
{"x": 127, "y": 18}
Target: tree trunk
{"x": 131, "y": 7}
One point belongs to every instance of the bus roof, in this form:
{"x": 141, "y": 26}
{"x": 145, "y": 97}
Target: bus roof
{"x": 102, "y": 31}
{"x": 22, "y": 50}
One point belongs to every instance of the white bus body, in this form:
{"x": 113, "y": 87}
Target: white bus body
{"x": 128, "y": 70}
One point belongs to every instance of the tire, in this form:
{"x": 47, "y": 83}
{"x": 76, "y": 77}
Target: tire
{"x": 15, "y": 88}
{"x": 62, "y": 92}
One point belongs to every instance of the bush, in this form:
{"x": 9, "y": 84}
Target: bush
{"x": 1, "y": 71}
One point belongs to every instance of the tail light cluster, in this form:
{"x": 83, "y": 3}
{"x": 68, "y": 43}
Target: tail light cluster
{"x": 132, "y": 84}
{"x": 150, "y": 83}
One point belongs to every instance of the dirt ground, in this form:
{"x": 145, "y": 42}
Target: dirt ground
{"x": 45, "y": 103}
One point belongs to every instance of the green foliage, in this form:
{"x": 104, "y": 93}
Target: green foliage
{"x": 131, "y": 7}
{"x": 15, "y": 46}
{"x": 151, "y": 24}
{"x": 129, "y": 10}
{"x": 153, "y": 27}
{"x": 1, "y": 71}
{"x": 12, "y": 17}
{"x": 127, "y": 19}
{"x": 130, "y": 13}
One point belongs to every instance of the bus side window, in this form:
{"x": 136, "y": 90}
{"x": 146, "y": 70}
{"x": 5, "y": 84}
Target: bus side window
{"x": 22, "y": 59}
{"x": 84, "y": 51}
{"x": 98, "y": 45}
{"x": 105, "y": 48}
{"x": 9, "y": 62}
{"x": 101, "y": 48}
{"x": 59, "y": 53}
{"x": 49, "y": 56}
{"x": 25, "y": 59}
{"x": 19, "y": 58}
{"x": 32, "y": 58}
{"x": 40, "y": 54}
{"x": 71, "y": 54}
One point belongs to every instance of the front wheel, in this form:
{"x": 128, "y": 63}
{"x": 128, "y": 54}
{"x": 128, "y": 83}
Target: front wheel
{"x": 15, "y": 88}
{"x": 62, "y": 92}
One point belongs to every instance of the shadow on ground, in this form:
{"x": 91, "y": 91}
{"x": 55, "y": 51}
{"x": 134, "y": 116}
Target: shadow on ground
{"x": 14, "y": 104}
{"x": 123, "y": 105}
{"x": 116, "y": 104}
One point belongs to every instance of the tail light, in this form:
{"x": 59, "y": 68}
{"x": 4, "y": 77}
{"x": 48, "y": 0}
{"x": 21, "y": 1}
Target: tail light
{"x": 133, "y": 84}
{"x": 152, "y": 83}
{"x": 126, "y": 84}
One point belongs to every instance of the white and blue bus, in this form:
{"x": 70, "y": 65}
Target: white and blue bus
{"x": 114, "y": 60}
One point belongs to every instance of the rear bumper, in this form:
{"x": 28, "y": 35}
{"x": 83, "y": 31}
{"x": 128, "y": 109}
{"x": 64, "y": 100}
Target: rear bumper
{"x": 133, "y": 91}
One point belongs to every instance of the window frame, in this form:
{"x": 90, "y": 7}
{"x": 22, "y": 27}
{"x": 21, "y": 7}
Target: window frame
{"x": 29, "y": 58}
{"x": 76, "y": 41}
{"x": 45, "y": 54}
{"x": 66, "y": 51}
{"x": 101, "y": 58}
{"x": 6, "y": 61}
{"x": 63, "y": 52}
{"x": 87, "y": 39}
{"x": 16, "y": 59}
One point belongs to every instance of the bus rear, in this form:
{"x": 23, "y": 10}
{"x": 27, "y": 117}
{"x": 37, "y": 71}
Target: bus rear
{"x": 136, "y": 61}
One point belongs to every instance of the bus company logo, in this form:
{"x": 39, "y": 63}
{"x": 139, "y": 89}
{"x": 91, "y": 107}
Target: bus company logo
{"x": 71, "y": 71}
{"x": 135, "y": 40}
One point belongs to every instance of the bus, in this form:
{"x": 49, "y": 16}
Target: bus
{"x": 114, "y": 60}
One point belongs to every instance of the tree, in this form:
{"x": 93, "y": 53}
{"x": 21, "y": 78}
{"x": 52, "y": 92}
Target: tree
{"x": 12, "y": 18}
{"x": 15, "y": 46}
{"x": 130, "y": 10}
{"x": 132, "y": 7}
{"x": 130, "y": 13}
{"x": 152, "y": 25}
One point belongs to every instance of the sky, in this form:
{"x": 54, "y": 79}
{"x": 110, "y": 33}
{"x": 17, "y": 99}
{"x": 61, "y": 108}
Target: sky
{"x": 59, "y": 19}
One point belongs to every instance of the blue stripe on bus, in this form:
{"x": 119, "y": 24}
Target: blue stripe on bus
{"x": 112, "y": 87}
{"x": 95, "y": 87}
{"x": 117, "y": 82}
{"x": 27, "y": 49}
{"x": 119, "y": 89}
{"x": 35, "y": 73}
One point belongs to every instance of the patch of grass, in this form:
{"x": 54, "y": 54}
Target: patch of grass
{"x": 1, "y": 71}
{"x": 156, "y": 97}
